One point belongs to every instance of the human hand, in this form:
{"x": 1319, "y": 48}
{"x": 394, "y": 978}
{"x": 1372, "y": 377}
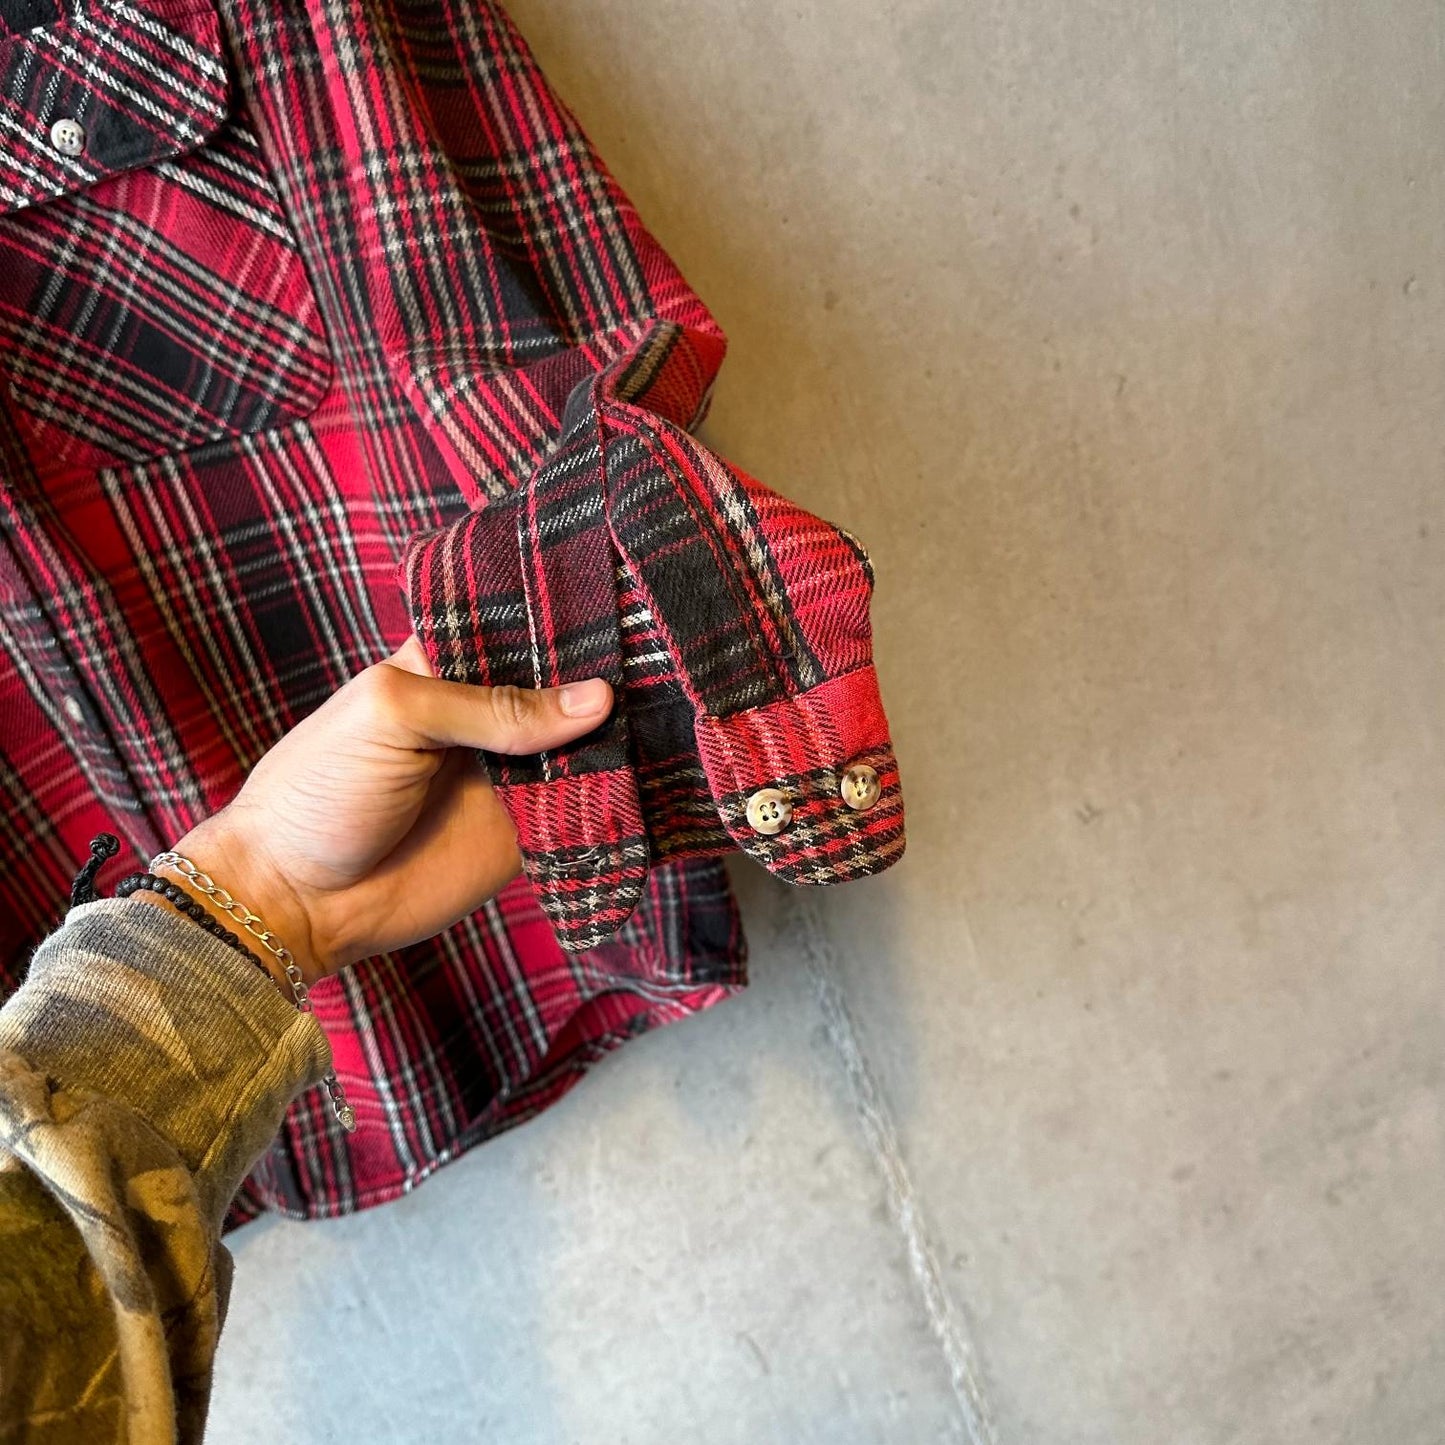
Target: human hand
{"x": 371, "y": 825}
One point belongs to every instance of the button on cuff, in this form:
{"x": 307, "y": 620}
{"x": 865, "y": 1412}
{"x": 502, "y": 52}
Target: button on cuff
{"x": 859, "y": 787}
{"x": 769, "y": 811}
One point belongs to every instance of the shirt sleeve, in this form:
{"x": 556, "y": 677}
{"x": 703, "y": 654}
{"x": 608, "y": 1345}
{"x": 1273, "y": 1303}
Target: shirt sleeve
{"x": 144, "y": 1066}
{"x": 733, "y": 625}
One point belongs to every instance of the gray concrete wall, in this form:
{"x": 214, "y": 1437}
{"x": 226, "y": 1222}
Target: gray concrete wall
{"x": 1114, "y": 1115}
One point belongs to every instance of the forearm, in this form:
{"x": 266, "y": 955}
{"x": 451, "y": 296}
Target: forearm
{"x": 145, "y": 1064}
{"x": 143, "y": 1067}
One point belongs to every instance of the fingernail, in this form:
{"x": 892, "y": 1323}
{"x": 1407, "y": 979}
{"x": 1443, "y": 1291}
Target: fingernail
{"x": 582, "y": 699}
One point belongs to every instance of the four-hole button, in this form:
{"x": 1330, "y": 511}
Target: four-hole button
{"x": 68, "y": 137}
{"x": 769, "y": 811}
{"x": 859, "y": 787}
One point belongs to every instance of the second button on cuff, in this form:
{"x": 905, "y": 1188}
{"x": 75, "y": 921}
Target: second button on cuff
{"x": 859, "y": 787}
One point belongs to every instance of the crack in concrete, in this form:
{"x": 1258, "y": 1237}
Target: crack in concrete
{"x": 945, "y": 1320}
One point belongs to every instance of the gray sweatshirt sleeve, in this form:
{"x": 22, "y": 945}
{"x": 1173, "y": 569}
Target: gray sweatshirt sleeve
{"x": 144, "y": 1066}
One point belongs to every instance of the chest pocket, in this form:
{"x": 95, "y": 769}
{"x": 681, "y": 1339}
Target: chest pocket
{"x": 152, "y": 296}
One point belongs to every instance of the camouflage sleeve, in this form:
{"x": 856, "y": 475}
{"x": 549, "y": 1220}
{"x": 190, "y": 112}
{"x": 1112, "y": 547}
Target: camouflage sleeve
{"x": 144, "y": 1066}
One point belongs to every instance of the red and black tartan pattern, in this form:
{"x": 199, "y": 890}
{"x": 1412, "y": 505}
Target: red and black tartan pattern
{"x": 321, "y": 281}
{"x": 326, "y": 278}
{"x": 121, "y": 342}
{"x": 733, "y": 625}
{"x": 146, "y": 82}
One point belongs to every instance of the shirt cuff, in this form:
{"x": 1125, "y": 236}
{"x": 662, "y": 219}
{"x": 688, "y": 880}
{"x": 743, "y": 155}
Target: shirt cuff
{"x": 584, "y": 849}
{"x": 817, "y": 751}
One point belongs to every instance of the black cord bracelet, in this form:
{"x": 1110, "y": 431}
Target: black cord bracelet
{"x": 174, "y": 894}
{"x": 103, "y": 847}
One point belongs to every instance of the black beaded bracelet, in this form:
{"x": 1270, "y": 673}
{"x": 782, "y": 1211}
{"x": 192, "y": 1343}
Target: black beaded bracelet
{"x": 173, "y": 893}
{"x": 107, "y": 845}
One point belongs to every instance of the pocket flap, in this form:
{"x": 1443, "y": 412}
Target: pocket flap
{"x": 108, "y": 86}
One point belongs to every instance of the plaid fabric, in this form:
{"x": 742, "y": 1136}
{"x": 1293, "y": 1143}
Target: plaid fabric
{"x": 733, "y": 625}
{"x": 321, "y": 280}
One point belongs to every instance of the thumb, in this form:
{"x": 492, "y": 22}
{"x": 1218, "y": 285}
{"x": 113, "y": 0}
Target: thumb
{"x": 415, "y": 710}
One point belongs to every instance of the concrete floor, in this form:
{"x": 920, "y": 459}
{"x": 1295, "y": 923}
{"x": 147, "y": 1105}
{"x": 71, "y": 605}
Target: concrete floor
{"x": 1114, "y": 1115}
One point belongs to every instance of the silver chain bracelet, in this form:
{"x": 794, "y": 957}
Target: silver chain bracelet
{"x": 251, "y": 922}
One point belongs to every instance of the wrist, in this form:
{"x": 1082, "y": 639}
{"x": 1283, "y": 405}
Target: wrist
{"x": 221, "y": 848}
{"x": 156, "y": 890}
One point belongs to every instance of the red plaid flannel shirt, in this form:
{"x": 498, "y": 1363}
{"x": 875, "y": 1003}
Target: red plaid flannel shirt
{"x": 290, "y": 294}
